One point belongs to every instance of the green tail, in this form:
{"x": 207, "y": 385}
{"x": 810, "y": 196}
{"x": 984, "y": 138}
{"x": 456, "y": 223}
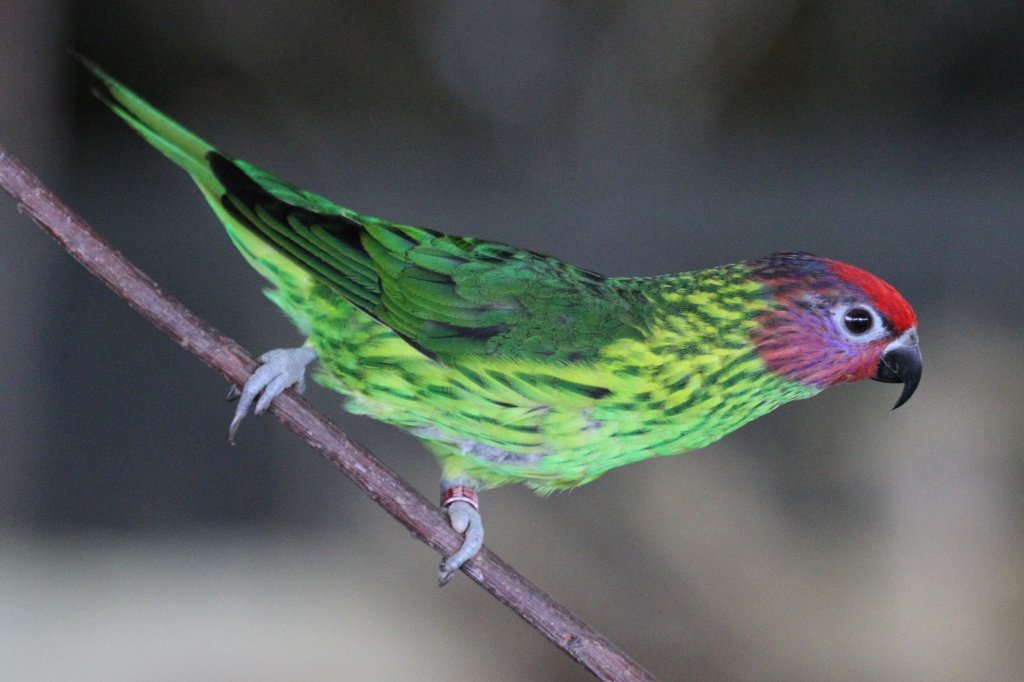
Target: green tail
{"x": 196, "y": 157}
{"x": 174, "y": 141}
{"x": 191, "y": 152}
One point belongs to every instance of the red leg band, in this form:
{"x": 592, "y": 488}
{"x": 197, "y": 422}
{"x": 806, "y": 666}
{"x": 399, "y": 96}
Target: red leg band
{"x": 459, "y": 493}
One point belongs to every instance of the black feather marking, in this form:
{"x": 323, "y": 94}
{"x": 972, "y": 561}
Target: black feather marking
{"x": 237, "y": 182}
{"x": 593, "y": 392}
{"x": 442, "y": 330}
{"x": 234, "y": 179}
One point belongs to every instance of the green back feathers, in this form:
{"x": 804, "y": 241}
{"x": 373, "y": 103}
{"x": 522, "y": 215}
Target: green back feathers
{"x": 444, "y": 295}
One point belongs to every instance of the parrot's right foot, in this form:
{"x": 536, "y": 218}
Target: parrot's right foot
{"x": 460, "y": 502}
{"x": 280, "y": 370}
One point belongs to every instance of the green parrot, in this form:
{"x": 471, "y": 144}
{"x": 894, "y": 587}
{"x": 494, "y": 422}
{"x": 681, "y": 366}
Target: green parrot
{"x": 515, "y": 367}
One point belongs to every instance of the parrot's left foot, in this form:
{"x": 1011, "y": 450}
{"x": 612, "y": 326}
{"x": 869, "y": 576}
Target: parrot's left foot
{"x": 460, "y": 502}
{"x": 280, "y": 370}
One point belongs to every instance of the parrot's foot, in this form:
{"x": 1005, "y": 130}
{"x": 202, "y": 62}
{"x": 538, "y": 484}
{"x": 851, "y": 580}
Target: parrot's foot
{"x": 280, "y": 370}
{"x": 460, "y": 502}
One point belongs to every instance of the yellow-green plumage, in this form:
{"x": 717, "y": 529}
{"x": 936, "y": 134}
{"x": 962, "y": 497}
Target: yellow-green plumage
{"x": 510, "y": 366}
{"x": 524, "y": 420}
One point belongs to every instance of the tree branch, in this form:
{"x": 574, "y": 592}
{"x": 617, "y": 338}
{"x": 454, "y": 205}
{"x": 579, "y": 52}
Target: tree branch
{"x": 411, "y": 509}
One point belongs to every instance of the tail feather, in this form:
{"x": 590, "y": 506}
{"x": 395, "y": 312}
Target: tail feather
{"x": 194, "y": 155}
{"x": 174, "y": 141}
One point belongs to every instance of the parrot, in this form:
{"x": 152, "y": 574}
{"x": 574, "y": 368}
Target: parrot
{"x": 515, "y": 367}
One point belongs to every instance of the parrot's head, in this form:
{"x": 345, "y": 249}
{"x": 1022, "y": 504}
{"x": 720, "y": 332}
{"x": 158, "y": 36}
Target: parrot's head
{"x": 830, "y": 323}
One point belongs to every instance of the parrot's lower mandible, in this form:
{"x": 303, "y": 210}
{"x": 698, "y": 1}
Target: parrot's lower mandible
{"x": 514, "y": 367}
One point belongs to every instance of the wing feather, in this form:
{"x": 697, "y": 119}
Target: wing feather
{"x": 445, "y": 295}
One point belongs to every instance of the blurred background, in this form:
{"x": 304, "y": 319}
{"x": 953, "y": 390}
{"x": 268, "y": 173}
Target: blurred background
{"x": 831, "y": 540}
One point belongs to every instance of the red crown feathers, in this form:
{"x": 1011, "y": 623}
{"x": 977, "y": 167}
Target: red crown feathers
{"x": 887, "y": 300}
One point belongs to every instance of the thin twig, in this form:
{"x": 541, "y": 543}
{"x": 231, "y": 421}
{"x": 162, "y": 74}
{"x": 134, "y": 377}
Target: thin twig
{"x": 411, "y": 509}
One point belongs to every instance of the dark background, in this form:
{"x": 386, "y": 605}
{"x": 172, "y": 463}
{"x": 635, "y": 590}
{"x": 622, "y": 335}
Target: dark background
{"x": 833, "y": 539}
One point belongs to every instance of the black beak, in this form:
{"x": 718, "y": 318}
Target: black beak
{"x": 901, "y": 365}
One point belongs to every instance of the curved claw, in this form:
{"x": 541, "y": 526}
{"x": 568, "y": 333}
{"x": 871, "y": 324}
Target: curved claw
{"x": 281, "y": 369}
{"x": 464, "y": 519}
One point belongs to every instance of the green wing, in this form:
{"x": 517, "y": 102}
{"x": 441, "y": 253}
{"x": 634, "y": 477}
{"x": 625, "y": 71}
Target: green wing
{"x": 445, "y": 295}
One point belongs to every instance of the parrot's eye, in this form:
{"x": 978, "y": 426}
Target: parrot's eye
{"x": 858, "y": 321}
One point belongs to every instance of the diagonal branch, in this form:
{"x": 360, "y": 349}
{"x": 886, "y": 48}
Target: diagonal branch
{"x": 554, "y": 621}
